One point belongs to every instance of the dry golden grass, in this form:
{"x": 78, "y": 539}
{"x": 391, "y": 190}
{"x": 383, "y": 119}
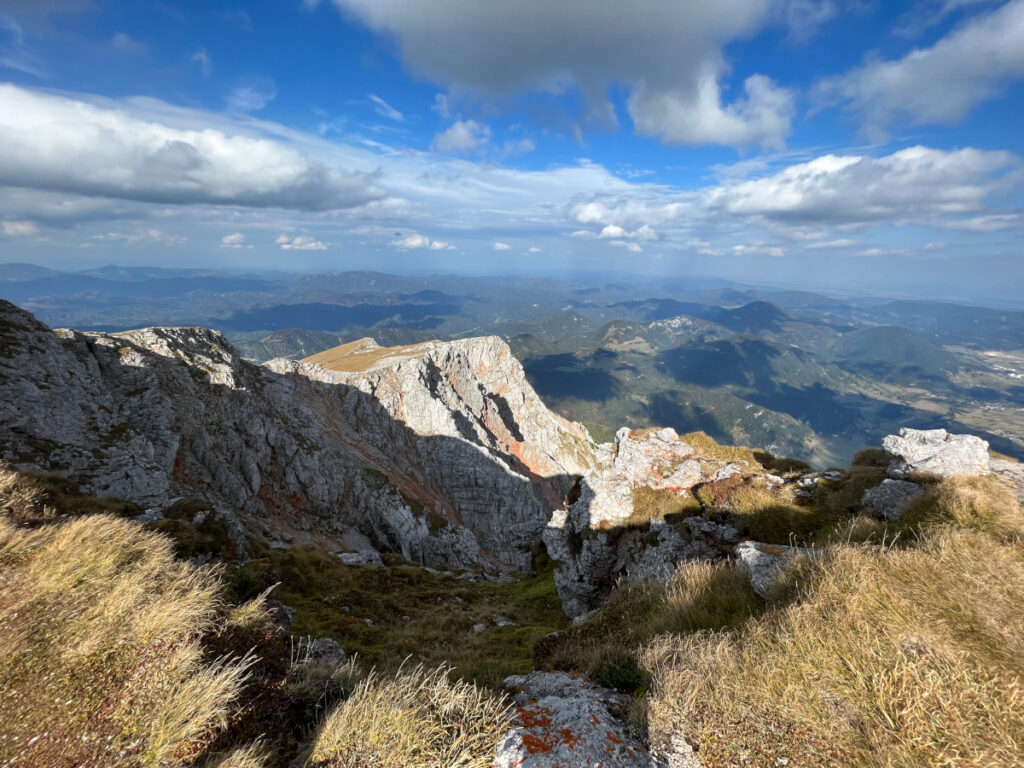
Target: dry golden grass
{"x": 22, "y": 499}
{"x": 417, "y": 719}
{"x": 253, "y": 756}
{"x": 983, "y": 503}
{"x": 706, "y": 448}
{"x": 100, "y": 659}
{"x": 358, "y": 356}
{"x": 889, "y": 658}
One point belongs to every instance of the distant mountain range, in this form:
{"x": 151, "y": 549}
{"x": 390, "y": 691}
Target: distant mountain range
{"x": 793, "y": 372}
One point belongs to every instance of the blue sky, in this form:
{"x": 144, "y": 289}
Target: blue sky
{"x": 865, "y": 145}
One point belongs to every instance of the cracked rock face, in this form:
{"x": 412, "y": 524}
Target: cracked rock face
{"x": 595, "y": 541}
{"x": 446, "y": 456}
{"x": 936, "y": 452}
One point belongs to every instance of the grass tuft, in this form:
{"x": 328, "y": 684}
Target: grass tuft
{"x": 417, "y": 719}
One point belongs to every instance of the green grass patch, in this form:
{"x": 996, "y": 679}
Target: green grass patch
{"x": 412, "y": 612}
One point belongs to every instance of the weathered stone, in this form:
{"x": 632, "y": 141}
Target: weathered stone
{"x": 324, "y": 650}
{"x": 765, "y": 564}
{"x": 1013, "y": 473}
{"x": 437, "y": 434}
{"x": 891, "y": 497}
{"x": 936, "y": 452}
{"x": 359, "y": 558}
{"x": 564, "y": 721}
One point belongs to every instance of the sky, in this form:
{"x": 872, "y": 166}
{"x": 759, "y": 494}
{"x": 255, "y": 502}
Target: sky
{"x": 851, "y": 144}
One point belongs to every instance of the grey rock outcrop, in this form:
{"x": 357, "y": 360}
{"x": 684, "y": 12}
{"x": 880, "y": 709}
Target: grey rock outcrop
{"x": 1012, "y": 472}
{"x": 565, "y": 721}
{"x": 602, "y": 539}
{"x": 765, "y": 564}
{"x": 936, "y": 452}
{"x": 891, "y": 497}
{"x": 445, "y": 455}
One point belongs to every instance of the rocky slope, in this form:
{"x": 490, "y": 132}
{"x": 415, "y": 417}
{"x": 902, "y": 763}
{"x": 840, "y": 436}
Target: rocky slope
{"x": 446, "y": 455}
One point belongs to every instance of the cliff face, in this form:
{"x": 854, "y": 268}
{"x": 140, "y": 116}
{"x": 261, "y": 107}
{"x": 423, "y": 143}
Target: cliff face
{"x": 442, "y": 452}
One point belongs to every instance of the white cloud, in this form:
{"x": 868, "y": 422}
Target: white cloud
{"x": 252, "y": 96}
{"x": 844, "y": 242}
{"x": 464, "y": 136}
{"x": 19, "y": 228}
{"x": 942, "y": 83}
{"x": 205, "y": 63}
{"x": 669, "y": 55}
{"x": 502, "y": 246}
{"x": 300, "y": 243}
{"x": 235, "y": 240}
{"x": 149, "y": 236}
{"x": 127, "y": 44}
{"x": 533, "y": 249}
{"x": 415, "y": 240}
{"x": 917, "y": 182}
{"x": 682, "y": 117}
{"x": 519, "y": 147}
{"x": 98, "y": 148}
{"x": 991, "y": 223}
{"x": 384, "y": 109}
{"x": 440, "y": 106}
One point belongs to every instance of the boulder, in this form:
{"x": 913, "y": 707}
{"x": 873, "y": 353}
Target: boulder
{"x": 371, "y": 557}
{"x": 1013, "y": 473}
{"x": 565, "y": 721}
{"x": 764, "y": 564}
{"x": 324, "y": 650}
{"x": 891, "y": 497}
{"x": 936, "y": 452}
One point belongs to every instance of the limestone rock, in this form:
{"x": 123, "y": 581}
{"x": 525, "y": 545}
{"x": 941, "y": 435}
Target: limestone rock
{"x": 445, "y": 454}
{"x": 764, "y": 564}
{"x": 936, "y": 452}
{"x": 360, "y": 558}
{"x": 565, "y": 721}
{"x": 1013, "y": 473}
{"x": 323, "y": 650}
{"x": 891, "y": 497}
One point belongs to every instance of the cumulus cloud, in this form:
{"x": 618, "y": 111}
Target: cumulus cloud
{"x": 502, "y": 246}
{"x": 942, "y": 83}
{"x": 912, "y": 183}
{"x": 668, "y": 53}
{"x": 300, "y": 243}
{"x": 19, "y": 228}
{"x": 684, "y": 117}
{"x": 98, "y": 148}
{"x": 464, "y": 136}
{"x": 235, "y": 240}
{"x": 414, "y": 241}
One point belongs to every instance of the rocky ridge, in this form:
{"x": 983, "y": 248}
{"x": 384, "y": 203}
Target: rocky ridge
{"x": 447, "y": 457}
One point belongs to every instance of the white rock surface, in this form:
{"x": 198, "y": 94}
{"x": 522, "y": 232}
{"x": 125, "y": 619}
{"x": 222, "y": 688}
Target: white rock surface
{"x": 446, "y": 456}
{"x": 764, "y": 564}
{"x": 564, "y": 721}
{"x": 936, "y": 452}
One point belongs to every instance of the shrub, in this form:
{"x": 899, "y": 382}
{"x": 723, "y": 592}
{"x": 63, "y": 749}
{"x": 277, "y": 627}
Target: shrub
{"x": 417, "y": 719}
